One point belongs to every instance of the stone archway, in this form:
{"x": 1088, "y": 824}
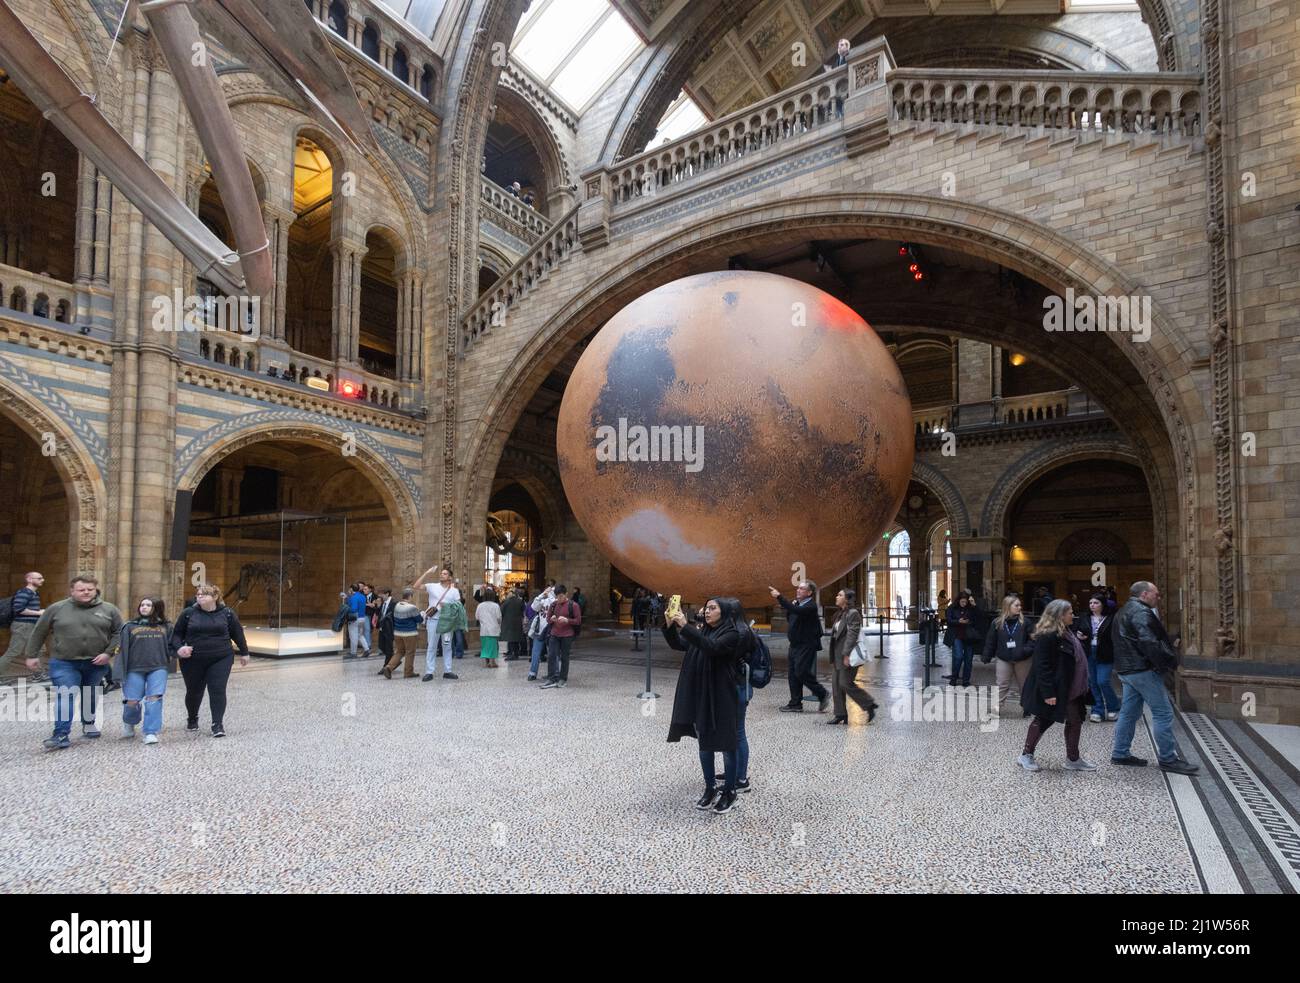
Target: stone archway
{"x": 1142, "y": 384}
{"x": 958, "y": 517}
{"x": 370, "y": 458}
{"x": 79, "y": 467}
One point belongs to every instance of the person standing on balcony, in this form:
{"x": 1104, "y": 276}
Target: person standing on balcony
{"x": 841, "y": 56}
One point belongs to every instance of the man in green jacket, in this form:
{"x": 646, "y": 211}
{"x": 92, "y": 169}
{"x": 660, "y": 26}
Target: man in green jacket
{"x": 83, "y": 632}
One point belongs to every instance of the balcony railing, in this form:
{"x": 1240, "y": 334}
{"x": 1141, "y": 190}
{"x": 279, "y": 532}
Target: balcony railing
{"x": 509, "y": 213}
{"x": 547, "y": 252}
{"x": 791, "y": 113}
{"x": 1159, "y": 104}
{"x": 39, "y": 296}
{"x": 1058, "y": 406}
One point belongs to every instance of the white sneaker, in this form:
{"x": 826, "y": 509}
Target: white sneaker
{"x": 151, "y": 738}
{"x": 1083, "y": 764}
{"x": 128, "y": 730}
{"x": 1112, "y": 715}
{"x": 1094, "y": 718}
{"x": 1027, "y": 762}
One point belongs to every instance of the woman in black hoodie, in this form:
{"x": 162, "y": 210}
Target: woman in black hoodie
{"x": 706, "y": 705}
{"x": 144, "y": 654}
{"x": 204, "y": 634}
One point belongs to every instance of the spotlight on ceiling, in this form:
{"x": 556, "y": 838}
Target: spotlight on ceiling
{"x": 1018, "y": 360}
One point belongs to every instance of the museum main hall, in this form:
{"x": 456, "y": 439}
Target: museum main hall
{"x": 937, "y": 359}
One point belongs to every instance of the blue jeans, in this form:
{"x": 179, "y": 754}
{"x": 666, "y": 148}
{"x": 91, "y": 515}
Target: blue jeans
{"x": 963, "y": 656}
{"x": 1149, "y": 688}
{"x": 744, "y": 693}
{"x": 728, "y": 769}
{"x": 539, "y": 646}
{"x": 458, "y": 644}
{"x": 364, "y": 622}
{"x": 69, "y": 677}
{"x": 1104, "y": 699}
{"x": 149, "y": 687}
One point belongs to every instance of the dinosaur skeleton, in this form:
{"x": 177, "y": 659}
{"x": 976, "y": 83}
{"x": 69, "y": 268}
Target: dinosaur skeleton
{"x": 498, "y": 539}
{"x": 253, "y": 574}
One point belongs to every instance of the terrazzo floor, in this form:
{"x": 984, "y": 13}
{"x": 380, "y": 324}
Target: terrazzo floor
{"x": 333, "y": 779}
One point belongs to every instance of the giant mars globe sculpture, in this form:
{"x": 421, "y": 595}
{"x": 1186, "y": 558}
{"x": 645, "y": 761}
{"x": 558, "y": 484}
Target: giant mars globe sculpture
{"x": 726, "y": 427}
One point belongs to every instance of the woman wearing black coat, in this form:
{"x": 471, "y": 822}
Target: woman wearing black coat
{"x": 706, "y": 705}
{"x": 1094, "y": 633}
{"x": 1056, "y": 687}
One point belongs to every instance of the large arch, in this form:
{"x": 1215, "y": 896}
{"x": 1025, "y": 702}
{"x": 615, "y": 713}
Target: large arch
{"x": 82, "y": 477}
{"x": 950, "y": 497}
{"x": 1030, "y": 467}
{"x": 515, "y": 110}
{"x": 1159, "y": 417}
{"x": 369, "y": 455}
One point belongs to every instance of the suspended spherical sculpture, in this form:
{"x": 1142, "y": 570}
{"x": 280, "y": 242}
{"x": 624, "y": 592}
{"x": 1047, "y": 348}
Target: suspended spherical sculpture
{"x": 726, "y": 427}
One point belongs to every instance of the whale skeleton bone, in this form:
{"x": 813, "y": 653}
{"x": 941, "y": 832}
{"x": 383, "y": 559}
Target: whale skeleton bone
{"x": 284, "y": 35}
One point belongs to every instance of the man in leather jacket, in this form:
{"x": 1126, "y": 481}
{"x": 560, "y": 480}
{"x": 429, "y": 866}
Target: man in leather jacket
{"x": 1142, "y": 653}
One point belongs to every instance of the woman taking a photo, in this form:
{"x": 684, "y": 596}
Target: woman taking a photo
{"x": 706, "y": 705}
{"x": 1008, "y": 640}
{"x": 144, "y": 653}
{"x": 1056, "y": 687}
{"x": 844, "y": 641}
{"x": 204, "y": 634}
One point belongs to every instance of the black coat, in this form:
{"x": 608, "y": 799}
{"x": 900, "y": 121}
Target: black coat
{"x": 1105, "y": 644}
{"x": 995, "y": 643}
{"x": 1050, "y": 675}
{"x": 805, "y": 627}
{"x": 706, "y": 705}
{"x": 512, "y": 619}
{"x": 1140, "y": 640}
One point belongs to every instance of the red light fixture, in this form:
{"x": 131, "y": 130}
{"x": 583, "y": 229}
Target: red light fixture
{"x": 349, "y": 389}
{"x": 909, "y": 252}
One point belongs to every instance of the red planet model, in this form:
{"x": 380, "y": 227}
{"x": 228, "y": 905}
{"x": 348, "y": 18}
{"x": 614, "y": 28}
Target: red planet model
{"x": 727, "y": 426}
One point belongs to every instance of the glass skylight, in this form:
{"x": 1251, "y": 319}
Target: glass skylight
{"x": 574, "y": 47}
{"x": 683, "y": 116}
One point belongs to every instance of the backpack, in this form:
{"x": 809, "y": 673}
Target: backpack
{"x": 759, "y": 661}
{"x": 6, "y": 611}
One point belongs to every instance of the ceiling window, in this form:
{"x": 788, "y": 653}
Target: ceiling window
{"x": 683, "y": 116}
{"x": 575, "y": 47}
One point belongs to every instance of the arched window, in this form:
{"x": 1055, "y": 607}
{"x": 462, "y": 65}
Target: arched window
{"x": 370, "y": 42}
{"x": 377, "y": 344}
{"x": 64, "y": 312}
{"x": 41, "y": 306}
{"x": 401, "y": 64}
{"x": 900, "y": 575}
{"x": 310, "y": 280}
{"x": 338, "y": 18}
{"x": 426, "y": 82}
{"x": 18, "y": 300}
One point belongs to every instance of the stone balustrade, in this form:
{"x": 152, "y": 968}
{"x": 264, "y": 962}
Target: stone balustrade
{"x": 813, "y": 104}
{"x": 1161, "y": 104}
{"x": 40, "y": 296}
{"x": 507, "y": 212}
{"x": 234, "y": 351}
{"x": 935, "y": 419}
{"x": 492, "y": 307}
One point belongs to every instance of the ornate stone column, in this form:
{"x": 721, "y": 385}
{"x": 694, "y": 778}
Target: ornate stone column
{"x": 346, "y": 309}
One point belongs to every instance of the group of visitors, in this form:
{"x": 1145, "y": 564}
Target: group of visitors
{"x": 85, "y": 634}
{"x": 1063, "y": 679}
